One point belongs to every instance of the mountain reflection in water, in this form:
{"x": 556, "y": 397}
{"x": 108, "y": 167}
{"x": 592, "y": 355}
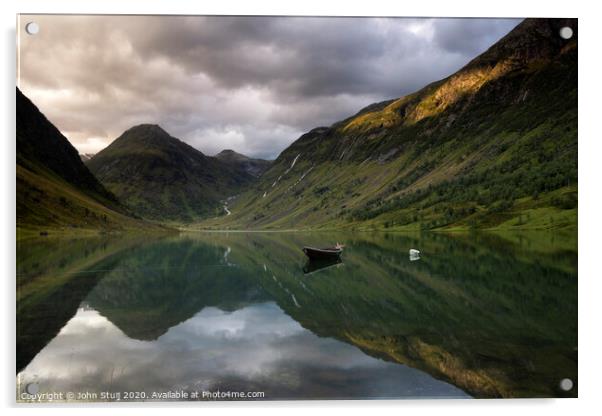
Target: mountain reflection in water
{"x": 478, "y": 315}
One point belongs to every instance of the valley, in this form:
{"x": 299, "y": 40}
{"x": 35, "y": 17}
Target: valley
{"x": 491, "y": 147}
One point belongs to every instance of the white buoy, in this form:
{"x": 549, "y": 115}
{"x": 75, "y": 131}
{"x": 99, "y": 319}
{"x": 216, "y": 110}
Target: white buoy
{"x": 414, "y": 252}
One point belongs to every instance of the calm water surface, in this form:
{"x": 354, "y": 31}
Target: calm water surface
{"x": 475, "y": 316}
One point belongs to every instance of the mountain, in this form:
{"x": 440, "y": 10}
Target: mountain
{"x": 86, "y": 156}
{"x": 254, "y": 167}
{"x": 55, "y": 190}
{"x": 162, "y": 178}
{"x": 492, "y": 146}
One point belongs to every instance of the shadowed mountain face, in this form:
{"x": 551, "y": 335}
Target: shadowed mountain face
{"x": 54, "y": 187}
{"x": 40, "y": 145}
{"x": 492, "y": 146}
{"x": 254, "y": 167}
{"x": 163, "y": 178}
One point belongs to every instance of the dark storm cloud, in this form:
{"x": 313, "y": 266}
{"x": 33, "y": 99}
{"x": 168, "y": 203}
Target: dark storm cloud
{"x": 249, "y": 83}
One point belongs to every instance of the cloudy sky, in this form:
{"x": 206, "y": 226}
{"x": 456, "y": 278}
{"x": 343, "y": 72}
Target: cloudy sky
{"x": 252, "y": 84}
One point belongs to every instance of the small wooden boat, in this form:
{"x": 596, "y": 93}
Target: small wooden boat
{"x": 323, "y": 253}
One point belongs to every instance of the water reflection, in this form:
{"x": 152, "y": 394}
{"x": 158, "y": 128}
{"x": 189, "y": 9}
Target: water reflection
{"x": 312, "y": 266}
{"x": 483, "y": 315}
{"x": 257, "y": 347}
{"x": 53, "y": 276}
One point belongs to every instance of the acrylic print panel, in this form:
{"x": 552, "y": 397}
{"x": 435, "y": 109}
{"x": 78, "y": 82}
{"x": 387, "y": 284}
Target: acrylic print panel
{"x": 269, "y": 208}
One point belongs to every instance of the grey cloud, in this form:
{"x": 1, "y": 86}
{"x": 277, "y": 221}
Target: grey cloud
{"x": 253, "y": 82}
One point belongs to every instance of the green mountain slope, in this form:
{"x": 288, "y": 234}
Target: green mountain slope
{"x": 55, "y": 190}
{"x": 254, "y": 167}
{"x": 492, "y": 146}
{"x": 163, "y": 178}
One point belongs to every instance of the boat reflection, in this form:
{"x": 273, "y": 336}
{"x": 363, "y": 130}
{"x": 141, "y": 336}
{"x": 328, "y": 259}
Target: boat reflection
{"x": 313, "y": 266}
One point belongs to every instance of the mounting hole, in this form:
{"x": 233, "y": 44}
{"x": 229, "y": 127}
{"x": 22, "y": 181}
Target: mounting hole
{"x": 32, "y": 388}
{"x": 566, "y": 32}
{"x": 32, "y": 28}
{"x": 566, "y": 384}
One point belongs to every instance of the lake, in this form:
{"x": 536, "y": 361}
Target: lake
{"x": 206, "y": 316}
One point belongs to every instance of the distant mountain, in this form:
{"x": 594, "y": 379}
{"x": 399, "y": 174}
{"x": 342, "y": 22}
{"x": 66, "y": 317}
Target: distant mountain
{"x": 254, "y": 167}
{"x": 162, "y": 178}
{"x": 54, "y": 187}
{"x": 86, "y": 156}
{"x": 492, "y": 146}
